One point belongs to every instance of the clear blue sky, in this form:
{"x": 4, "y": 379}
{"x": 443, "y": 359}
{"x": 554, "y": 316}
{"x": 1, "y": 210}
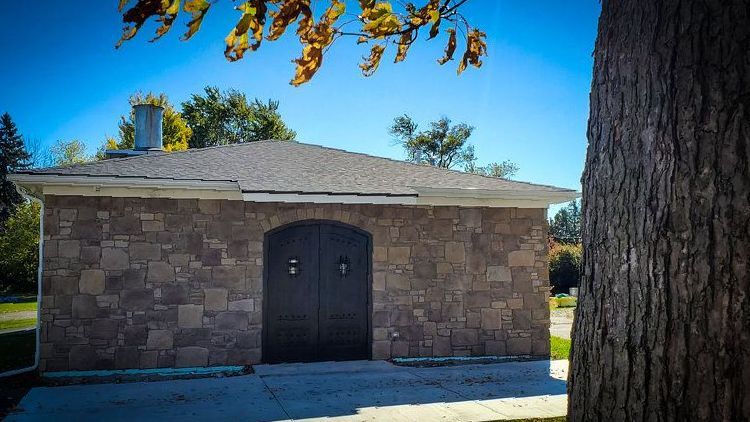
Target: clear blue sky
{"x": 63, "y": 79}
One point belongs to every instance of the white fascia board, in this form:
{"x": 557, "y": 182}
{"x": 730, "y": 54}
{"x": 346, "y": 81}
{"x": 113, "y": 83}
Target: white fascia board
{"x": 533, "y": 199}
{"x": 120, "y": 182}
{"x": 328, "y": 199}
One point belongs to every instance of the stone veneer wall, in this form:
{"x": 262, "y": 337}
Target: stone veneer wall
{"x": 145, "y": 283}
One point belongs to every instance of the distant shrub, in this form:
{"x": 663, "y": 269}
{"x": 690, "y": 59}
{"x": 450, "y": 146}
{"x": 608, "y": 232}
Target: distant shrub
{"x": 564, "y": 266}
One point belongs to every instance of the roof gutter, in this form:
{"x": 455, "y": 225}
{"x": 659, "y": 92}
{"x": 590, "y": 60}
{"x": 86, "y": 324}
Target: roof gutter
{"x": 55, "y": 184}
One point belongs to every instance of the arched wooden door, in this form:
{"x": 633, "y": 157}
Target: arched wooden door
{"x": 316, "y": 290}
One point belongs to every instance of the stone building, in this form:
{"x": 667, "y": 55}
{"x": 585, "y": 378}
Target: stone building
{"x": 281, "y": 251}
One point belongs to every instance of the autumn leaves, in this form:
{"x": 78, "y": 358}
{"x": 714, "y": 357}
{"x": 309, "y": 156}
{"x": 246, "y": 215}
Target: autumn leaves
{"x": 379, "y": 25}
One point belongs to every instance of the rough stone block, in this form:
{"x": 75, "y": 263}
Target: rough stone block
{"x": 188, "y": 357}
{"x": 231, "y": 277}
{"x": 84, "y": 307}
{"x": 232, "y": 321}
{"x": 152, "y": 226}
{"x": 494, "y": 348}
{"x": 90, "y": 254}
{"x": 397, "y": 281}
{"x": 142, "y": 250}
{"x": 474, "y": 300}
{"x": 127, "y": 358}
{"x": 128, "y": 224}
{"x": 498, "y": 273}
{"x": 425, "y": 270}
{"x": 159, "y": 272}
{"x": 159, "y": 340}
{"x": 215, "y": 299}
{"x": 134, "y": 279}
{"x": 137, "y": 300}
{"x": 64, "y": 285}
{"x": 114, "y": 259}
{"x": 518, "y": 346}
{"x": 82, "y": 358}
{"x": 464, "y": 337}
{"x": 521, "y": 319}
{"x": 91, "y": 282}
{"x": 441, "y": 346}
{"x": 470, "y": 217}
{"x": 190, "y": 316}
{"x": 245, "y": 305}
{"x": 455, "y": 252}
{"x": 381, "y": 349}
{"x": 492, "y": 319}
{"x": 135, "y": 335}
{"x": 69, "y": 248}
{"x": 179, "y": 259}
{"x": 521, "y": 258}
{"x": 149, "y": 359}
{"x": 104, "y": 329}
{"x": 399, "y": 255}
{"x": 174, "y": 294}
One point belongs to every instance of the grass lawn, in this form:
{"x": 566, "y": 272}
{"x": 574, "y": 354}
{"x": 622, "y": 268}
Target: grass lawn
{"x": 559, "y": 348}
{"x": 6, "y": 308}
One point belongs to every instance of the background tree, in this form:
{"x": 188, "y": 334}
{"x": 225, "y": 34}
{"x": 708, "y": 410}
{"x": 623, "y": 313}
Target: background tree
{"x": 13, "y": 157}
{"x": 378, "y": 23}
{"x": 220, "y": 118}
{"x": 662, "y": 327}
{"x": 564, "y": 266}
{"x": 19, "y": 250}
{"x": 66, "y": 153}
{"x": 504, "y": 170}
{"x": 565, "y": 226}
{"x": 175, "y": 131}
{"x": 443, "y": 145}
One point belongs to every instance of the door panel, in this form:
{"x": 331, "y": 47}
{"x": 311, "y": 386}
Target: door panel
{"x": 320, "y": 312}
{"x": 343, "y": 328}
{"x": 292, "y": 315}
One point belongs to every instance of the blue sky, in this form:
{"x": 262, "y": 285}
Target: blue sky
{"x": 63, "y": 79}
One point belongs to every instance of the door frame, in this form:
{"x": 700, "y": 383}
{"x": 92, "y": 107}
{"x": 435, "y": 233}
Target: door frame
{"x": 315, "y": 222}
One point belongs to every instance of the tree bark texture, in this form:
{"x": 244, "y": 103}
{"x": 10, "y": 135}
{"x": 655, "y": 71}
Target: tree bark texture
{"x": 662, "y": 329}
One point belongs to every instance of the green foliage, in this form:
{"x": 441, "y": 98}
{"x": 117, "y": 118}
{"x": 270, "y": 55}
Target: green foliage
{"x": 444, "y": 145}
{"x": 565, "y": 226}
{"x": 13, "y": 157}
{"x": 220, "y": 118}
{"x": 564, "y": 266}
{"x": 19, "y": 250}
{"x": 559, "y": 348}
{"x": 175, "y": 130}
{"x": 69, "y": 153}
{"x": 504, "y": 170}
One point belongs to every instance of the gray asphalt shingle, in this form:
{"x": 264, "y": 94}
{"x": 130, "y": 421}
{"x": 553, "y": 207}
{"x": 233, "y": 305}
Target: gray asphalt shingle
{"x": 274, "y": 166}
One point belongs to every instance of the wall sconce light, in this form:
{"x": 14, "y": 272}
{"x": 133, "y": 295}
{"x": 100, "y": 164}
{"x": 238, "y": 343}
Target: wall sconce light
{"x": 293, "y": 266}
{"x": 343, "y": 266}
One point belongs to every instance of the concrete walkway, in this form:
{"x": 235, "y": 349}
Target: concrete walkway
{"x": 356, "y": 391}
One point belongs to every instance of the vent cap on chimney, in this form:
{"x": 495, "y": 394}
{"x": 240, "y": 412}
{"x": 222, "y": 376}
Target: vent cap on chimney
{"x": 148, "y": 121}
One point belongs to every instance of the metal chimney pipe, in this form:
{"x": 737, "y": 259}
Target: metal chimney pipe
{"x": 148, "y": 119}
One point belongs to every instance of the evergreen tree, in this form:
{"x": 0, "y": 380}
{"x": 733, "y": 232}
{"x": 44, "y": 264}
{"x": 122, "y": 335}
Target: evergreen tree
{"x": 13, "y": 157}
{"x": 565, "y": 226}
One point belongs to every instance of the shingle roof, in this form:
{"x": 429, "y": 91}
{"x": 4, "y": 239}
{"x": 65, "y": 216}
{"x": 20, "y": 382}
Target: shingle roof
{"x": 294, "y": 167}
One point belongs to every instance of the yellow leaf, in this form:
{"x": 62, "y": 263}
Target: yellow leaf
{"x": 381, "y": 21}
{"x": 450, "y": 49}
{"x": 403, "y": 46}
{"x": 197, "y": 9}
{"x": 371, "y": 63}
{"x": 288, "y": 12}
{"x": 475, "y": 48}
{"x": 252, "y": 22}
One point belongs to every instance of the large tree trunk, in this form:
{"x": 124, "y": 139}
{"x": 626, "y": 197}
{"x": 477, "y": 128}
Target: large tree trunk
{"x": 662, "y": 330}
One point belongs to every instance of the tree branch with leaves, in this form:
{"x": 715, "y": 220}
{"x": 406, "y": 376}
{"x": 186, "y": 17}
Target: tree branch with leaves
{"x": 379, "y": 24}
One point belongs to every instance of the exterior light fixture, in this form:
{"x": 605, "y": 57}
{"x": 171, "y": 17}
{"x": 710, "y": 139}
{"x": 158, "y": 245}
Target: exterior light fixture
{"x": 293, "y": 266}
{"x": 344, "y": 266}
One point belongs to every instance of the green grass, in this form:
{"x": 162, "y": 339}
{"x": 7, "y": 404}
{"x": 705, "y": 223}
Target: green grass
{"x": 6, "y": 308}
{"x": 17, "y": 323}
{"x": 17, "y": 350}
{"x": 559, "y": 348}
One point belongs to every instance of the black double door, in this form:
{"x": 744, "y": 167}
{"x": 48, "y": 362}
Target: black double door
{"x": 316, "y": 294}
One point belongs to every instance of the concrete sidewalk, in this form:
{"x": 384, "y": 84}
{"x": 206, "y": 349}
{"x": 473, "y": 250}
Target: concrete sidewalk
{"x": 362, "y": 390}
